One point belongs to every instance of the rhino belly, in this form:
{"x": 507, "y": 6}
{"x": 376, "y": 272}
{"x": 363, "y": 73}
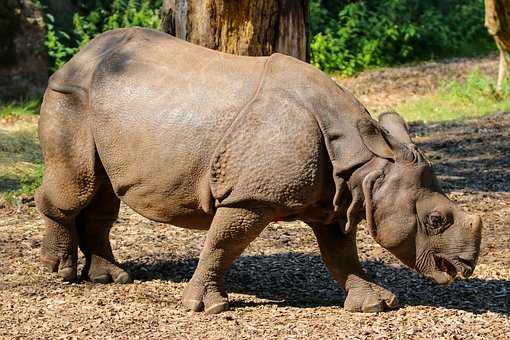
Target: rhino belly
{"x": 160, "y": 171}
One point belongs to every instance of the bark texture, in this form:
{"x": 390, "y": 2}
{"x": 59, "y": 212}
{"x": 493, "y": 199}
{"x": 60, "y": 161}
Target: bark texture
{"x": 63, "y": 12}
{"x": 243, "y": 27}
{"x": 23, "y": 57}
{"x": 497, "y": 22}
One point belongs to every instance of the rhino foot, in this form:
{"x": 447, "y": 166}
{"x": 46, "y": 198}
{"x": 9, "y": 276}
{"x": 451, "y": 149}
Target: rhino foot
{"x": 64, "y": 265}
{"x": 59, "y": 255}
{"x": 101, "y": 270}
{"x": 368, "y": 297}
{"x": 207, "y": 298}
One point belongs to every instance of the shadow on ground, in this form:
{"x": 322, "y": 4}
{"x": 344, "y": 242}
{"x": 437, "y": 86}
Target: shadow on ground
{"x": 472, "y": 154}
{"x": 301, "y": 280}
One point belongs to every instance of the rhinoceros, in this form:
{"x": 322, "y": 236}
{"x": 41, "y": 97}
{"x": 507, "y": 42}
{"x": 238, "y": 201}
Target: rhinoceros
{"x": 201, "y": 139}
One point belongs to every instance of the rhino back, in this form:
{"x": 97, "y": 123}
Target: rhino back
{"x": 158, "y": 106}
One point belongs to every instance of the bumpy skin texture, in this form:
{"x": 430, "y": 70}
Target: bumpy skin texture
{"x": 201, "y": 139}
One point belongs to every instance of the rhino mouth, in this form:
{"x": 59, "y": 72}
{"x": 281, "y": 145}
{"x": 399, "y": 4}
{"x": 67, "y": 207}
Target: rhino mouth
{"x": 449, "y": 268}
{"x": 465, "y": 267}
{"x": 444, "y": 265}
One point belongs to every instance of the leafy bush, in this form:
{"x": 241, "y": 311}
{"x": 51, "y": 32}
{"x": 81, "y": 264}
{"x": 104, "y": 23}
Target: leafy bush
{"x": 347, "y": 36}
{"x": 371, "y": 33}
{"x": 93, "y": 18}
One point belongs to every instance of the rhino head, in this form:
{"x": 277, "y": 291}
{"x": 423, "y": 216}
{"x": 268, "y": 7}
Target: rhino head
{"x": 406, "y": 211}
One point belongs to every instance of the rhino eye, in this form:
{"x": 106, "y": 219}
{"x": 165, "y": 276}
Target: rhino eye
{"x": 436, "y": 222}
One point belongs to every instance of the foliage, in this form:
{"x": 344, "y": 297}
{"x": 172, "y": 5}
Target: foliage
{"x": 373, "y": 33}
{"x": 474, "y": 97}
{"x": 60, "y": 45}
{"x": 93, "y": 18}
{"x": 347, "y": 36}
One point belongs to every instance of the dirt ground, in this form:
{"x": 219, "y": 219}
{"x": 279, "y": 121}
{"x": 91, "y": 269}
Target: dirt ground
{"x": 279, "y": 288}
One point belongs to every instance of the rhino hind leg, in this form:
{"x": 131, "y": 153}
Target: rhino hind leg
{"x": 69, "y": 180}
{"x": 231, "y": 232}
{"x": 94, "y": 224}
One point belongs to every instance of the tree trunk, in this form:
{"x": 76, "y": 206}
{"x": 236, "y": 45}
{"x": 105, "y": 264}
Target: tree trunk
{"x": 243, "y": 27}
{"x": 23, "y": 56}
{"x": 63, "y": 12}
{"x": 497, "y": 22}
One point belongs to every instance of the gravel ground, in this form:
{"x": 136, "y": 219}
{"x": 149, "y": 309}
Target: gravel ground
{"x": 279, "y": 288}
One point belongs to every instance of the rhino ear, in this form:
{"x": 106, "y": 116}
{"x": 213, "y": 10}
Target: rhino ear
{"x": 376, "y": 139}
{"x": 396, "y": 126}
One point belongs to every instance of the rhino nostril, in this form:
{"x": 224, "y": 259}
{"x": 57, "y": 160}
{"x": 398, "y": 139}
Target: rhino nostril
{"x": 468, "y": 272}
{"x": 467, "y": 262}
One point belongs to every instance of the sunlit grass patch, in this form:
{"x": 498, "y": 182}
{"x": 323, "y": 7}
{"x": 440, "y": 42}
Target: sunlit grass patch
{"x": 20, "y": 161}
{"x": 23, "y": 108}
{"x": 475, "y": 97}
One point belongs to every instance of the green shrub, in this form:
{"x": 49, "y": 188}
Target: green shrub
{"x": 372, "y": 33}
{"x": 93, "y": 18}
{"x": 347, "y": 36}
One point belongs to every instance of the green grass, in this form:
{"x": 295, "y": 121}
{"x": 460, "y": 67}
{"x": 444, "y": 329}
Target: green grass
{"x": 20, "y": 156}
{"x": 475, "y": 97}
{"x": 23, "y": 186}
{"x": 23, "y": 108}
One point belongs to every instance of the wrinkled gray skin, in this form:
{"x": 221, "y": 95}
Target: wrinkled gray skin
{"x": 201, "y": 139}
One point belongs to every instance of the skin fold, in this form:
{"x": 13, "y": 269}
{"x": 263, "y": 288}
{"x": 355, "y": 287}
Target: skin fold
{"x": 200, "y": 139}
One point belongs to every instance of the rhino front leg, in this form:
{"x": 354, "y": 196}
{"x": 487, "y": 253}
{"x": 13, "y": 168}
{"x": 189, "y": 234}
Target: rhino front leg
{"x": 94, "y": 224}
{"x": 60, "y": 199}
{"x": 231, "y": 231}
{"x": 59, "y": 250}
{"x": 70, "y": 178}
{"x": 339, "y": 252}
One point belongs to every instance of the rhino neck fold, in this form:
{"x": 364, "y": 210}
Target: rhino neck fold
{"x": 356, "y": 210}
